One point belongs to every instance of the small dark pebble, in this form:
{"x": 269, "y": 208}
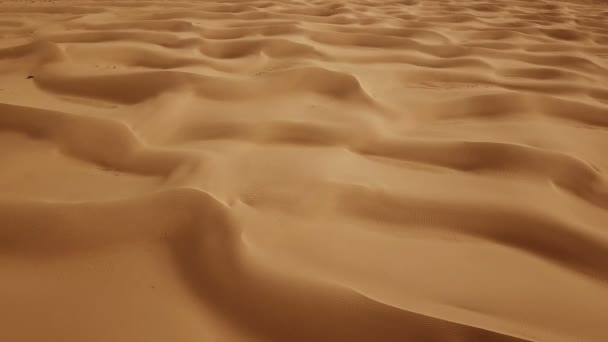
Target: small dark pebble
{"x": 30, "y": 76}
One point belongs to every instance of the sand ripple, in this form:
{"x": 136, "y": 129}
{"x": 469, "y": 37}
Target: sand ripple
{"x": 303, "y": 170}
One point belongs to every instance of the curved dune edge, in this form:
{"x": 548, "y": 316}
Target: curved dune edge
{"x": 81, "y": 136}
{"x": 417, "y": 170}
{"x": 204, "y": 240}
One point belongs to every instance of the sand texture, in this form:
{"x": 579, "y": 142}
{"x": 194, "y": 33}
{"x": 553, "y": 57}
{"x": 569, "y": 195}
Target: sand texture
{"x": 304, "y": 170}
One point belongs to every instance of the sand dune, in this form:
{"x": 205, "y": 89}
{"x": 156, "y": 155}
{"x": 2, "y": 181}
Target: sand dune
{"x": 304, "y": 170}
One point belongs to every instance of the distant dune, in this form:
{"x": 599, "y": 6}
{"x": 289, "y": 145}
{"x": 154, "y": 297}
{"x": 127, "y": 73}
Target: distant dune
{"x": 304, "y": 170}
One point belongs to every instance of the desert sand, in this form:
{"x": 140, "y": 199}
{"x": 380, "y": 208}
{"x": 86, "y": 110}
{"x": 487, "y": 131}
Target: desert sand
{"x": 304, "y": 170}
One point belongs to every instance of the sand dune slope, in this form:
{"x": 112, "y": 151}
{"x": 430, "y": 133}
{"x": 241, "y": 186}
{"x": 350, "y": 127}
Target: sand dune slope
{"x": 304, "y": 170}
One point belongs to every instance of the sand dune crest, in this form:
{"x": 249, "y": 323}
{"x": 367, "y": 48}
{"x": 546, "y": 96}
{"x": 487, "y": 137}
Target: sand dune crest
{"x": 303, "y": 170}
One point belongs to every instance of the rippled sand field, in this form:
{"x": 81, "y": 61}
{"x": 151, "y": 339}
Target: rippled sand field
{"x": 304, "y": 170}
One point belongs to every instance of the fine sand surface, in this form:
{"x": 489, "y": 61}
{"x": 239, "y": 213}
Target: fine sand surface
{"x": 303, "y": 170}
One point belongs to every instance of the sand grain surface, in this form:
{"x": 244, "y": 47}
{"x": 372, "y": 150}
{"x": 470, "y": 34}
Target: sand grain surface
{"x": 303, "y": 170}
